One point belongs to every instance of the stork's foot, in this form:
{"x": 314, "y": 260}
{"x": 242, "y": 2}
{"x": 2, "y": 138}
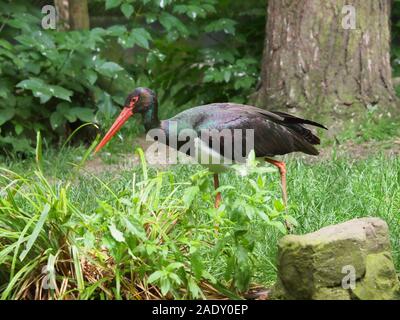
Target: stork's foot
{"x": 218, "y": 197}
{"x": 282, "y": 171}
{"x": 218, "y": 200}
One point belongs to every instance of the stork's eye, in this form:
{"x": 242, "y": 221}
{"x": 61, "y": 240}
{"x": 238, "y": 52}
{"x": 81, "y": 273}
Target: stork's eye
{"x": 133, "y": 101}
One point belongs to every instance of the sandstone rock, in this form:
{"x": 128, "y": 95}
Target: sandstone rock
{"x": 335, "y": 293}
{"x": 313, "y": 266}
{"x": 380, "y": 281}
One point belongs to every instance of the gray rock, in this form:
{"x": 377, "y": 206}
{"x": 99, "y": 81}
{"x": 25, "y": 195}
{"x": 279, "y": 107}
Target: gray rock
{"x": 380, "y": 281}
{"x": 313, "y": 266}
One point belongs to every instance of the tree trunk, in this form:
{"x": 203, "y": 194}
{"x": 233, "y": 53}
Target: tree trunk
{"x": 62, "y": 7}
{"x": 72, "y": 15}
{"x": 79, "y": 14}
{"x": 313, "y": 65}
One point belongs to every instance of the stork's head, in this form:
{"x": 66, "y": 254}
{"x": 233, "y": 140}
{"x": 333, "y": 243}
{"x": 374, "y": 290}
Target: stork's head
{"x": 141, "y": 100}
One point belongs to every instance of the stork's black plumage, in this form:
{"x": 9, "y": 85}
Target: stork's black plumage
{"x": 275, "y": 133}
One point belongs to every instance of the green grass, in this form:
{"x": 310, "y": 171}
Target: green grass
{"x": 118, "y": 234}
{"x": 371, "y": 127}
{"x": 334, "y": 191}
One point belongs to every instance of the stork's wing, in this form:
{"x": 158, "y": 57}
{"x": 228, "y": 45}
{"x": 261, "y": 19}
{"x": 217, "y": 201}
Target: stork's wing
{"x": 274, "y": 133}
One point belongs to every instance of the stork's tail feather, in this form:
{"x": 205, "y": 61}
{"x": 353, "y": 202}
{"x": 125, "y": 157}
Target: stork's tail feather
{"x": 288, "y": 118}
{"x": 307, "y": 134}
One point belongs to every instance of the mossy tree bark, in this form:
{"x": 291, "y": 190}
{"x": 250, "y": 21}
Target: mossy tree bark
{"x": 79, "y": 14}
{"x": 62, "y": 7}
{"x": 312, "y": 65}
{"x": 72, "y": 14}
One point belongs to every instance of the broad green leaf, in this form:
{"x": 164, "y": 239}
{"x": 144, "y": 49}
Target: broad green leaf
{"x": 109, "y": 69}
{"x": 194, "y": 289}
{"x": 6, "y": 115}
{"x": 190, "y": 194}
{"x": 116, "y": 234}
{"x": 174, "y": 265}
{"x": 279, "y": 206}
{"x": 18, "y": 129}
{"x": 193, "y": 11}
{"x": 61, "y": 93}
{"x": 227, "y": 75}
{"x": 137, "y": 231}
{"x": 112, "y": 3}
{"x": 91, "y": 76}
{"x": 140, "y": 37}
{"x": 105, "y": 104}
{"x": 18, "y": 144}
{"x": 225, "y": 25}
{"x": 279, "y": 225}
{"x": 155, "y": 276}
{"x": 127, "y": 10}
{"x": 165, "y": 285}
{"x": 169, "y": 22}
{"x": 5, "y": 44}
{"x": 197, "y": 265}
{"x": 175, "y": 278}
{"x": 44, "y": 91}
{"x": 31, "y": 84}
{"x": 83, "y": 114}
{"x": 117, "y": 30}
{"x": 291, "y": 220}
{"x": 5, "y": 92}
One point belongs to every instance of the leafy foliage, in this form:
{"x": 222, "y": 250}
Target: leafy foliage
{"x": 191, "y": 52}
{"x": 396, "y": 38}
{"x": 51, "y": 78}
{"x": 146, "y": 237}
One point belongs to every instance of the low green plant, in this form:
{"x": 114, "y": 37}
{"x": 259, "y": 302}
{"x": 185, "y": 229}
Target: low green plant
{"x": 78, "y": 243}
{"x": 143, "y": 238}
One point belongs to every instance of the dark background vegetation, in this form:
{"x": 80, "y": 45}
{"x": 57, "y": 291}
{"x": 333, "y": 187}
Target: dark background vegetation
{"x": 190, "y": 52}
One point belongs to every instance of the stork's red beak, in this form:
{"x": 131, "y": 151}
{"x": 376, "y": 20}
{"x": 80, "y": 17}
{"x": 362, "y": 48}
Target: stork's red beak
{"x": 125, "y": 114}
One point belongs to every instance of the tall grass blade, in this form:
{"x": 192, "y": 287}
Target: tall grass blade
{"x": 78, "y": 269}
{"x": 143, "y": 163}
{"x": 36, "y": 231}
{"x": 39, "y": 151}
{"x": 75, "y": 132}
{"x": 89, "y": 151}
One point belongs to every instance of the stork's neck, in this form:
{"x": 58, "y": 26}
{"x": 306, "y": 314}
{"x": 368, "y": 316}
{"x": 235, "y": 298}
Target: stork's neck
{"x": 150, "y": 117}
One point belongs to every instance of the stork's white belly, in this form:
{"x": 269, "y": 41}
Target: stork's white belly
{"x": 162, "y": 154}
{"x": 212, "y": 159}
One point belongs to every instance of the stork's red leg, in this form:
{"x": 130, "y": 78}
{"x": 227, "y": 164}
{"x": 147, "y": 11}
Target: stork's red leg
{"x": 218, "y": 197}
{"x": 282, "y": 171}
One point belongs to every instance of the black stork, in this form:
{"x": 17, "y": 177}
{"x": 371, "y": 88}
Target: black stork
{"x": 275, "y": 133}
